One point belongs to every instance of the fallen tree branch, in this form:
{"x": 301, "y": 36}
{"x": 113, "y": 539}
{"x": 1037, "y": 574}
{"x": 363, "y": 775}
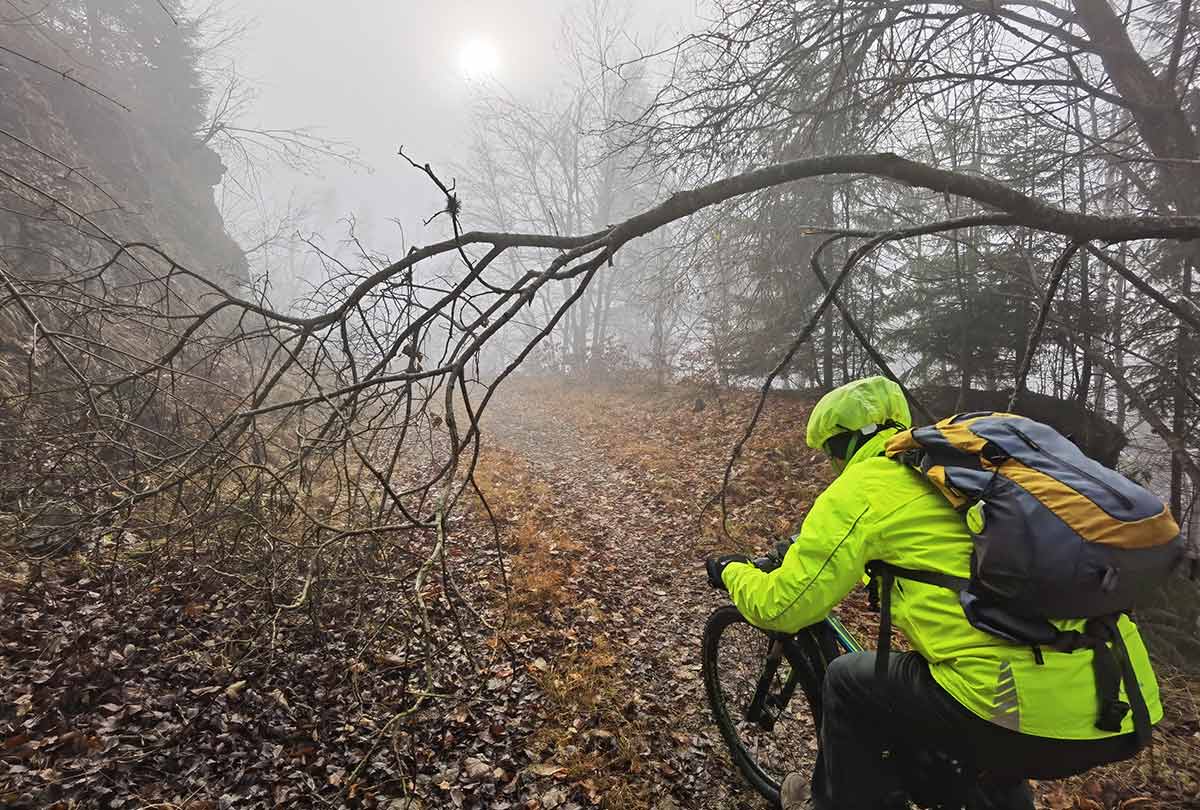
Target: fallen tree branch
{"x": 1177, "y": 308}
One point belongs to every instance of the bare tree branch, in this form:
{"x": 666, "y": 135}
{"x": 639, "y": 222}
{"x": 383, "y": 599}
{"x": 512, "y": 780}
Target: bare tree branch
{"x": 66, "y": 75}
{"x": 1035, "y": 334}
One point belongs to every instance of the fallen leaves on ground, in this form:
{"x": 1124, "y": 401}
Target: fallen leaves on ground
{"x": 569, "y": 679}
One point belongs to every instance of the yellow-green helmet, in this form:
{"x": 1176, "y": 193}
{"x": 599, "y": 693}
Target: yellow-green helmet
{"x": 865, "y": 405}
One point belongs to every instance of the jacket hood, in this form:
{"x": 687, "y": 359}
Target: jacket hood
{"x": 869, "y": 402}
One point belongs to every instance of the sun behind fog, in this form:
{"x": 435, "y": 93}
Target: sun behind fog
{"x": 478, "y": 58}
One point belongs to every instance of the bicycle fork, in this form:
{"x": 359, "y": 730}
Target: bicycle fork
{"x": 758, "y": 712}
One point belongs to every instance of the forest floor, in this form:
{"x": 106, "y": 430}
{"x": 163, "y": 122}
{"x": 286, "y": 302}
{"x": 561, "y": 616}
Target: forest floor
{"x": 574, "y": 683}
{"x": 629, "y": 475}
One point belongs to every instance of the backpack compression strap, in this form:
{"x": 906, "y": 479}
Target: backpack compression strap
{"x": 1111, "y": 666}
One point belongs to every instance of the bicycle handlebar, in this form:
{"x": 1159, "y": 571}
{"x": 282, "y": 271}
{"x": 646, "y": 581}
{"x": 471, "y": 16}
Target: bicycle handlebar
{"x": 767, "y": 563}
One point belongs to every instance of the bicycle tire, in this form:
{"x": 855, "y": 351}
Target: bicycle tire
{"x": 808, "y": 662}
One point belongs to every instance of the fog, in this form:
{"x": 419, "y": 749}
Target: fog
{"x": 377, "y": 74}
{"x": 296, "y": 514}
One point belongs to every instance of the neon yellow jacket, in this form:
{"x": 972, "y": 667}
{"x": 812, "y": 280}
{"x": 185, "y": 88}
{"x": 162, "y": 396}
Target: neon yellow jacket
{"x": 880, "y": 509}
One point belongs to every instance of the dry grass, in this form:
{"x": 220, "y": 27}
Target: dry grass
{"x": 587, "y": 732}
{"x": 602, "y": 747}
{"x": 510, "y": 488}
{"x": 541, "y": 568}
{"x": 539, "y": 553}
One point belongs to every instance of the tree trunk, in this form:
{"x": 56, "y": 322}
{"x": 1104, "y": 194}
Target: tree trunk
{"x": 1099, "y": 381}
{"x": 1154, "y": 105}
{"x": 1085, "y": 322}
{"x": 964, "y": 338}
{"x": 827, "y": 352}
{"x": 1118, "y": 336}
{"x": 1183, "y": 362}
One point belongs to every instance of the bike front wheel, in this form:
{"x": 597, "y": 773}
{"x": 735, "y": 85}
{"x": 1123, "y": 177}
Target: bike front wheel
{"x": 765, "y": 694}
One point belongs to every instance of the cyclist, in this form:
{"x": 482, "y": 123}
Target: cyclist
{"x": 960, "y": 691}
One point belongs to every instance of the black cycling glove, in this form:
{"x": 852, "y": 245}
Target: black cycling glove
{"x": 716, "y": 567}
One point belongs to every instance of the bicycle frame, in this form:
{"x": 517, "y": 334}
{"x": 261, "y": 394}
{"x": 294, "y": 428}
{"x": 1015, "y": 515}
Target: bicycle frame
{"x": 845, "y": 639}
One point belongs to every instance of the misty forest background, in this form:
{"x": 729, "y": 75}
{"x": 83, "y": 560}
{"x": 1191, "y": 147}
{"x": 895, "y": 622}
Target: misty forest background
{"x": 300, "y": 507}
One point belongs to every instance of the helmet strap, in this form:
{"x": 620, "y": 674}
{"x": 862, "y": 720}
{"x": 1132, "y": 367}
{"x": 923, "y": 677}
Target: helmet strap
{"x": 853, "y": 440}
{"x": 856, "y": 441}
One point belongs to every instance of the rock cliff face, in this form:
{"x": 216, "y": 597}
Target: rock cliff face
{"x": 118, "y": 155}
{"x": 102, "y": 110}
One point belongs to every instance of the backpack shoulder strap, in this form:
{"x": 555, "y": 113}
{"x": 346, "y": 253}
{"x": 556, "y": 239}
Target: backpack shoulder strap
{"x": 883, "y": 575}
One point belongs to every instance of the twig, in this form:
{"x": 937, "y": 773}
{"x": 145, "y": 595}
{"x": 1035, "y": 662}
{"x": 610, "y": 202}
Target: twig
{"x": 879, "y": 359}
{"x": 1177, "y": 308}
{"x": 167, "y": 11}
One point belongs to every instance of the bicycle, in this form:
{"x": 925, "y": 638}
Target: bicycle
{"x": 752, "y": 676}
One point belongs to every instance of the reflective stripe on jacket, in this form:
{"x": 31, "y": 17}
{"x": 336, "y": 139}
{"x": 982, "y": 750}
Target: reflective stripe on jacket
{"x": 879, "y": 509}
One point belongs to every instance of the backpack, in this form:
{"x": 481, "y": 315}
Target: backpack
{"x": 1056, "y": 535}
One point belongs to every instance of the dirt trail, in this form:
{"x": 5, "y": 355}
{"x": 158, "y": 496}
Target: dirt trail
{"x": 642, "y": 564}
{"x": 628, "y": 474}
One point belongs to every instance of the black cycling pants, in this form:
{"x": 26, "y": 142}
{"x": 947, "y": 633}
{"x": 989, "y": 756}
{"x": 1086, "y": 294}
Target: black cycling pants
{"x": 861, "y": 719}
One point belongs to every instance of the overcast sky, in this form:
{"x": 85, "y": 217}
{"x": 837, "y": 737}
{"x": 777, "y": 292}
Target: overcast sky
{"x": 382, "y": 73}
